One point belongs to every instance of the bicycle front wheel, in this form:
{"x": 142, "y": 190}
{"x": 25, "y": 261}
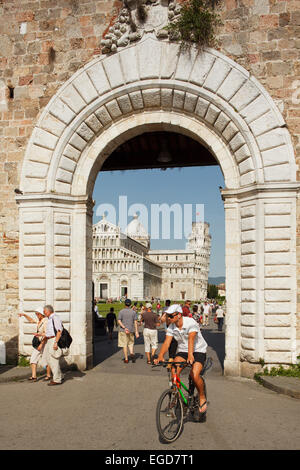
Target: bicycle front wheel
{"x": 169, "y": 415}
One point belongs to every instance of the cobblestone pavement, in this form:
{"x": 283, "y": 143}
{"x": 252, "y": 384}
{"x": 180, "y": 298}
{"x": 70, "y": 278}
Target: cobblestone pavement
{"x": 113, "y": 407}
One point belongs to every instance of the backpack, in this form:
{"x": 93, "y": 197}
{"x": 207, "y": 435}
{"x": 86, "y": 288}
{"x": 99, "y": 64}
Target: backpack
{"x": 65, "y": 340}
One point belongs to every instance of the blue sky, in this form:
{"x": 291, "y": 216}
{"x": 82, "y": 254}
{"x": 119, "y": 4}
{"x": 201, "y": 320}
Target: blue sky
{"x": 191, "y": 185}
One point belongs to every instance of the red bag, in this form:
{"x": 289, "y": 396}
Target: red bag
{"x": 215, "y": 319}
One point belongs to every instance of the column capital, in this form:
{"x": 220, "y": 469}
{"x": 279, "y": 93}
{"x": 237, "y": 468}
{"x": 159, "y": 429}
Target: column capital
{"x": 49, "y": 199}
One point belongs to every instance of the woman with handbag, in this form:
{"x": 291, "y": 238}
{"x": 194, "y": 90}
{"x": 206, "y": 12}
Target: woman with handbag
{"x": 38, "y": 345}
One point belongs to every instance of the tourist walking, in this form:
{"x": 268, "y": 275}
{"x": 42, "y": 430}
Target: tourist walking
{"x": 206, "y": 313}
{"x": 196, "y": 315}
{"x": 52, "y": 350}
{"x": 151, "y": 322}
{"x": 142, "y": 310}
{"x": 128, "y": 327}
{"x": 111, "y": 321}
{"x": 220, "y": 317}
{"x": 186, "y": 309}
{"x": 135, "y": 307}
{"x": 38, "y": 352}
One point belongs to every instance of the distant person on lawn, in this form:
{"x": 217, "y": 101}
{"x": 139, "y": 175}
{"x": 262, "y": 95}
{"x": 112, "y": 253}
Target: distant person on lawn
{"x": 128, "y": 327}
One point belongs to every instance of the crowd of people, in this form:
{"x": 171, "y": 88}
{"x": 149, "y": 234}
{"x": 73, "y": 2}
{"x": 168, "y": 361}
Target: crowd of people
{"x": 151, "y": 317}
{"x": 49, "y": 328}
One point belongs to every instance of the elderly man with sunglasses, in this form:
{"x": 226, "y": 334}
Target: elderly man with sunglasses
{"x": 191, "y": 348}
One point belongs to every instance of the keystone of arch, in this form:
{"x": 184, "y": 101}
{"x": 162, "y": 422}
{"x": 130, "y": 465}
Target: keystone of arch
{"x": 156, "y": 76}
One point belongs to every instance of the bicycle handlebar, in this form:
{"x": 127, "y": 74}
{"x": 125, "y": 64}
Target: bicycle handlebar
{"x": 207, "y": 365}
{"x": 173, "y": 363}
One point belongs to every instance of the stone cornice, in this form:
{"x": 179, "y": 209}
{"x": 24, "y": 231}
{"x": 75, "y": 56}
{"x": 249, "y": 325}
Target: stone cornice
{"x": 54, "y": 198}
{"x": 263, "y": 190}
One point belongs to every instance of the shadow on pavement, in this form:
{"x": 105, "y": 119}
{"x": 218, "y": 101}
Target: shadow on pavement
{"x": 105, "y": 348}
{"x": 5, "y": 368}
{"x": 216, "y": 341}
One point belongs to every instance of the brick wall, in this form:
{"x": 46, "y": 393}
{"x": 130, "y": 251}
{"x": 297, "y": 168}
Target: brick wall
{"x": 264, "y": 37}
{"x": 42, "y": 44}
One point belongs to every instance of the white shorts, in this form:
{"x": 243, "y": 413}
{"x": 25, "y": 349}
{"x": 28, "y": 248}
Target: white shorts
{"x": 38, "y": 356}
{"x": 150, "y": 339}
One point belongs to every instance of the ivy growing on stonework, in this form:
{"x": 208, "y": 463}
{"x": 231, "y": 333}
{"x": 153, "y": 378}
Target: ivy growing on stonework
{"x": 196, "y": 23}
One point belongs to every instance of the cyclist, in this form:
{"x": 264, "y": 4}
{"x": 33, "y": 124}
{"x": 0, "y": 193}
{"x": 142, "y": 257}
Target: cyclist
{"x": 191, "y": 348}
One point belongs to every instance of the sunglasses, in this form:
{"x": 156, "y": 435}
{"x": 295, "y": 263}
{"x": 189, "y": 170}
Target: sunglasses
{"x": 172, "y": 315}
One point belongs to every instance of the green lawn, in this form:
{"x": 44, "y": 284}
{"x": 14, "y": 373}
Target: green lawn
{"x": 104, "y": 308}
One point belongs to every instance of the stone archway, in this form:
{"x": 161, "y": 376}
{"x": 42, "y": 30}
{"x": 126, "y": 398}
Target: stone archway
{"x": 150, "y": 86}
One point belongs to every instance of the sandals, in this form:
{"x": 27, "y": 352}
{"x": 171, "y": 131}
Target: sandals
{"x": 201, "y": 406}
{"x": 149, "y": 362}
{"x": 32, "y": 379}
{"x": 46, "y": 379}
{"x": 200, "y": 416}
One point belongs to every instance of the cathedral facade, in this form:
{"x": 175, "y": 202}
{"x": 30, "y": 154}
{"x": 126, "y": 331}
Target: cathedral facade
{"x": 125, "y": 266}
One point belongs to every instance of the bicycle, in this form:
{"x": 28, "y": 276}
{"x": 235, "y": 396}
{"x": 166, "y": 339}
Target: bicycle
{"x": 177, "y": 402}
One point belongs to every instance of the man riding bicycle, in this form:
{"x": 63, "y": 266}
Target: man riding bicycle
{"x": 191, "y": 348}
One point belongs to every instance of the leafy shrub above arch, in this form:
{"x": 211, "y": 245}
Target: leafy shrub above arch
{"x": 196, "y": 23}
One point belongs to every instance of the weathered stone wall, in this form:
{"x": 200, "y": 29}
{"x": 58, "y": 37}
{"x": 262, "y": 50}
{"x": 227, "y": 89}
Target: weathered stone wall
{"x": 264, "y": 37}
{"x": 42, "y": 43}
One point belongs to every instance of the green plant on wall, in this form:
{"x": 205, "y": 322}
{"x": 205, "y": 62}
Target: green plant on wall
{"x": 23, "y": 361}
{"x": 196, "y": 23}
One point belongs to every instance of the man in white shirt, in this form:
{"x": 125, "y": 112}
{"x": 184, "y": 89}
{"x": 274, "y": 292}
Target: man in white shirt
{"x": 220, "y": 317}
{"x": 191, "y": 348}
{"x": 206, "y": 312}
{"x": 53, "y": 352}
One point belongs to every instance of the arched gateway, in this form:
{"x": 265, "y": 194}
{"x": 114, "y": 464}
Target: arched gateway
{"x": 154, "y": 86}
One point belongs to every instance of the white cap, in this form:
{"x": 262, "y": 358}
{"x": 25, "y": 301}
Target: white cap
{"x": 148, "y": 305}
{"x": 173, "y": 308}
{"x": 40, "y": 310}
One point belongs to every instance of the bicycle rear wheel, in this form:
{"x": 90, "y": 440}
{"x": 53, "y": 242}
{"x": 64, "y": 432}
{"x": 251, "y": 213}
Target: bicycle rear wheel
{"x": 169, "y": 415}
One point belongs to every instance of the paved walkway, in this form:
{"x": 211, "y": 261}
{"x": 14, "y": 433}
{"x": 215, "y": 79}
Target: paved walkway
{"x": 112, "y": 407}
{"x": 105, "y": 349}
